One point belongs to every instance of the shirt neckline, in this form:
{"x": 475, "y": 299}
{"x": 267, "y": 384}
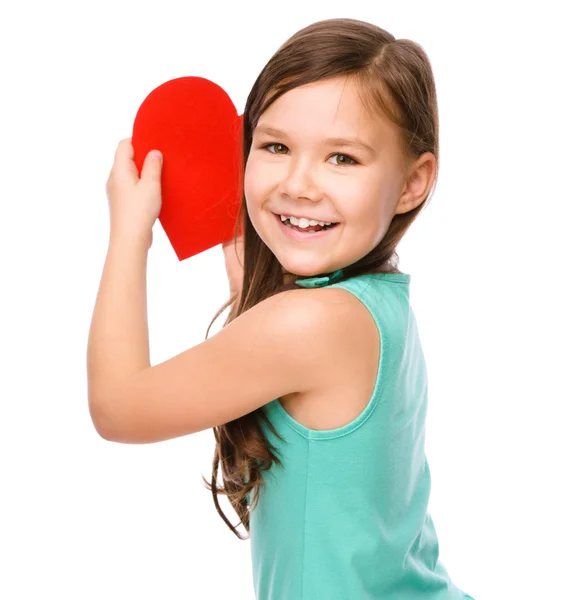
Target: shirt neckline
{"x": 335, "y": 276}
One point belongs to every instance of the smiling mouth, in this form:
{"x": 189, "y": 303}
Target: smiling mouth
{"x": 287, "y": 223}
{"x": 298, "y": 235}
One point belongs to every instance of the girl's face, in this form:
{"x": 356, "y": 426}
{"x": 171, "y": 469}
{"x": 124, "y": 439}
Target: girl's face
{"x": 297, "y": 171}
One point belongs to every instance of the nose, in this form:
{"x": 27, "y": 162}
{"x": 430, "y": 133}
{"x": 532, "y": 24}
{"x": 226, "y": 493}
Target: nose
{"x": 300, "y": 183}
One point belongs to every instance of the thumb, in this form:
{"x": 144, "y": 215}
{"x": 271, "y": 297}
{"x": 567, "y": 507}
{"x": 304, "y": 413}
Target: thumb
{"x": 152, "y": 166}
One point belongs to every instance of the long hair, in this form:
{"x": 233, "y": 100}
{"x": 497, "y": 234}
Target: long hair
{"x": 394, "y": 79}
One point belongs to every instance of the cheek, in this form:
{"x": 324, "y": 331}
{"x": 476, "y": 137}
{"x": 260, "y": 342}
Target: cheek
{"x": 367, "y": 216}
{"x": 360, "y": 205}
{"x": 254, "y": 181}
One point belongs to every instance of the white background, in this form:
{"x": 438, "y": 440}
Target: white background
{"x": 491, "y": 261}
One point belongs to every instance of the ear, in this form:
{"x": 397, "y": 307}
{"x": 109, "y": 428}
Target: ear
{"x": 422, "y": 175}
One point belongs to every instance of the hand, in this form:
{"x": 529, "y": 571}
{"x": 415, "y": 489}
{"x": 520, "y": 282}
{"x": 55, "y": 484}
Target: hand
{"x": 134, "y": 202}
{"x": 234, "y": 268}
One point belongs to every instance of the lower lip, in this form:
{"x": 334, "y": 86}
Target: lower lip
{"x": 300, "y": 235}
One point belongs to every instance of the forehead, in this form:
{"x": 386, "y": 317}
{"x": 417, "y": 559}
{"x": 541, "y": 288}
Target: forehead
{"x": 327, "y": 108}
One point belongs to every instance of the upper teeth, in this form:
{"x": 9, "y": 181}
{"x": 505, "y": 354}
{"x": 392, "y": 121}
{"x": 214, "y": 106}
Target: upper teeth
{"x": 303, "y": 222}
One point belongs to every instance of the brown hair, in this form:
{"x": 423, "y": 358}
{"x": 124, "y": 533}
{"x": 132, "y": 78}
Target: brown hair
{"x": 394, "y": 78}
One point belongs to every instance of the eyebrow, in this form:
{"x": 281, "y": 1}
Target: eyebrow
{"x": 333, "y": 141}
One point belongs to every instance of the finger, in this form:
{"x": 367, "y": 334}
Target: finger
{"x": 152, "y": 169}
{"x": 124, "y": 161}
{"x": 124, "y": 149}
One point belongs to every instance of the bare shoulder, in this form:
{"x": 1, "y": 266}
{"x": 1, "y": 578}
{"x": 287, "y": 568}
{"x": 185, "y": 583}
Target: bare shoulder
{"x": 346, "y": 361}
{"x": 341, "y": 311}
{"x": 334, "y": 312}
{"x": 324, "y": 324}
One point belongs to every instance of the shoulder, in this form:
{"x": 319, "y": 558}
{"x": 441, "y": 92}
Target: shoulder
{"x": 319, "y": 310}
{"x": 319, "y": 302}
{"x": 329, "y": 327}
{"x": 310, "y": 323}
{"x": 306, "y": 338}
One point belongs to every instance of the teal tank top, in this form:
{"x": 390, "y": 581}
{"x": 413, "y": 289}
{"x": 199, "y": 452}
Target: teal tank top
{"x": 345, "y": 517}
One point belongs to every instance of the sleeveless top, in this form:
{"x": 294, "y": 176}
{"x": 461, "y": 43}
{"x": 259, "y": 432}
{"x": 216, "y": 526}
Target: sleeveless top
{"x": 345, "y": 516}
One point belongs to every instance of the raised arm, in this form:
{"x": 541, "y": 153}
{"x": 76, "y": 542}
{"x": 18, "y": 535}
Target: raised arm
{"x": 276, "y": 348}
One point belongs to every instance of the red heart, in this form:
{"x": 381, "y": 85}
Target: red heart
{"x": 195, "y": 125}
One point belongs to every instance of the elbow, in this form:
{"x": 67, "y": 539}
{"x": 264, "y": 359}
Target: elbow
{"x": 107, "y": 411}
{"x": 111, "y": 429}
{"x": 103, "y": 424}
{"x": 114, "y": 420}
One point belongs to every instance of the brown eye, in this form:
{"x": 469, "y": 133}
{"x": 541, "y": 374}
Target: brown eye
{"x": 275, "y": 144}
{"x": 344, "y": 156}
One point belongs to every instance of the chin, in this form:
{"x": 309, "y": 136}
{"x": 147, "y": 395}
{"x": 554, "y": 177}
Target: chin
{"x": 300, "y": 271}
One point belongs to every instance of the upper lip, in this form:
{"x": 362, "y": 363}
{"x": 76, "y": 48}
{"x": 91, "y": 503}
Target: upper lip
{"x": 306, "y": 217}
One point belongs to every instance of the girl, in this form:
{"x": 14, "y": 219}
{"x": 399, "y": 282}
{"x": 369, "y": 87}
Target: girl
{"x": 316, "y": 386}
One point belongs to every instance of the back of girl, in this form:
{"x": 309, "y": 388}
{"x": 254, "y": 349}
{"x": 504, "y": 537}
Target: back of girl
{"x": 341, "y": 152}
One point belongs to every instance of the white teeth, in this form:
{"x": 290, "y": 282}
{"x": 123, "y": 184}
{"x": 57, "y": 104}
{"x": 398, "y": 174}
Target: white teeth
{"x": 303, "y": 222}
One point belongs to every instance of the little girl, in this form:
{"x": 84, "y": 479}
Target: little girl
{"x": 316, "y": 386}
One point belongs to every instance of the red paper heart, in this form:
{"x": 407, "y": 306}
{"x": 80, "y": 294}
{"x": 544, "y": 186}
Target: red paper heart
{"x": 195, "y": 125}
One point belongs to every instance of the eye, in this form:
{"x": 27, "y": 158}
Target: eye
{"x": 339, "y": 164}
{"x": 274, "y": 144}
{"x": 353, "y": 161}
